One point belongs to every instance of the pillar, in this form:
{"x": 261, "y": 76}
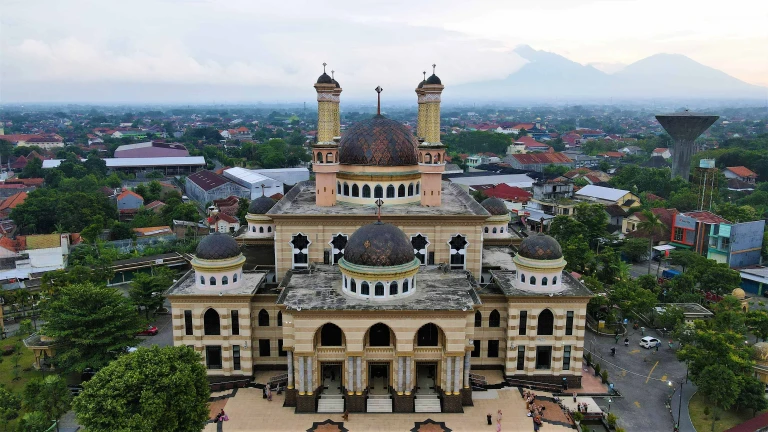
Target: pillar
{"x": 359, "y": 375}
{"x": 457, "y": 375}
{"x": 408, "y": 385}
{"x": 301, "y": 375}
{"x": 290, "y": 369}
{"x": 350, "y": 375}
{"x": 467, "y": 366}
{"x": 448, "y": 376}
{"x": 400, "y": 373}
{"x": 310, "y": 377}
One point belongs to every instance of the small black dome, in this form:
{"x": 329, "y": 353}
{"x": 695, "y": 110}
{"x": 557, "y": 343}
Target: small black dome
{"x": 433, "y": 79}
{"x": 325, "y": 79}
{"x": 261, "y": 205}
{"x": 495, "y": 206}
{"x": 421, "y": 84}
{"x": 380, "y": 245}
{"x": 217, "y": 246}
{"x": 336, "y": 83}
{"x": 540, "y": 247}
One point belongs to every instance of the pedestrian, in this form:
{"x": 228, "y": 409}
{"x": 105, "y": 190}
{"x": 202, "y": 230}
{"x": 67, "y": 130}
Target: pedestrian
{"x": 626, "y": 342}
{"x": 616, "y": 338}
{"x": 269, "y": 394}
{"x": 264, "y": 392}
{"x": 498, "y": 426}
{"x": 498, "y": 419}
{"x": 345, "y": 416}
{"x": 658, "y": 344}
{"x": 489, "y": 417}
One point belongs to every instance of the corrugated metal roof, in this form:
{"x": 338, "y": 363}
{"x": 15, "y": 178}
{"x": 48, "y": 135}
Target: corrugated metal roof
{"x": 248, "y": 176}
{"x": 141, "y": 162}
{"x": 600, "y": 192}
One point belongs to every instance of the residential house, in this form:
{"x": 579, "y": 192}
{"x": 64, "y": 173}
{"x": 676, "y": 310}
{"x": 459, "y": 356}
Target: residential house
{"x": 151, "y": 149}
{"x": 514, "y": 197}
{"x": 129, "y": 200}
{"x": 612, "y": 156}
{"x": 157, "y": 231}
{"x": 740, "y": 173}
{"x": 691, "y": 230}
{"x": 754, "y": 280}
{"x": 537, "y": 161}
{"x": 205, "y": 186}
{"x": 631, "y": 150}
{"x": 182, "y": 229}
{"x": 608, "y": 196}
{"x": 155, "y": 206}
{"x": 527, "y": 144}
{"x": 662, "y": 152}
{"x": 738, "y": 245}
{"x": 665, "y": 216}
{"x": 222, "y": 222}
{"x": 228, "y": 205}
{"x": 10, "y": 203}
{"x": 581, "y": 160}
{"x": 33, "y": 254}
{"x": 617, "y": 218}
{"x": 552, "y": 198}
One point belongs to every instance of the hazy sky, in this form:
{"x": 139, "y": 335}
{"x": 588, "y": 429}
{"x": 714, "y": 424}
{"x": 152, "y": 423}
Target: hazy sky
{"x": 252, "y": 50}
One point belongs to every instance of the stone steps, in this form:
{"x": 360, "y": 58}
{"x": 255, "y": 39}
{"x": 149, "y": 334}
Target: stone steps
{"x": 379, "y": 405}
{"x": 330, "y": 404}
{"x": 427, "y": 403}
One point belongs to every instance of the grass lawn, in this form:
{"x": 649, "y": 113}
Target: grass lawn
{"x": 728, "y": 419}
{"x": 26, "y": 371}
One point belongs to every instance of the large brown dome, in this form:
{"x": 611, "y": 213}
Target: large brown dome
{"x": 540, "y": 247}
{"x": 379, "y": 245}
{"x": 378, "y": 141}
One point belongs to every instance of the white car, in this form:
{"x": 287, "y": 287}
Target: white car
{"x": 649, "y": 342}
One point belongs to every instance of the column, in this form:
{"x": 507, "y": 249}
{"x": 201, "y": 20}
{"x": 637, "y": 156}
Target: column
{"x": 400, "y": 373}
{"x": 290, "y": 369}
{"x": 456, "y": 374}
{"x": 359, "y": 375}
{"x": 301, "y": 375}
{"x": 350, "y": 375}
{"x": 408, "y": 385}
{"x": 310, "y": 377}
{"x": 448, "y": 380}
{"x": 467, "y": 366}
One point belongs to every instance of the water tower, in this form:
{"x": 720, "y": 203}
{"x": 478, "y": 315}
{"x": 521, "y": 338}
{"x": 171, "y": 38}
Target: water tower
{"x": 684, "y": 127}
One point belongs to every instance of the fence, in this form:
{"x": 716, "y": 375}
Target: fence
{"x": 139, "y": 244}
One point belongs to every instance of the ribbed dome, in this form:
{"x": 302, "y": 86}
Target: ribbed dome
{"x": 379, "y": 245}
{"x": 495, "y": 206}
{"x": 217, "y": 246}
{"x": 378, "y": 141}
{"x": 325, "y": 79}
{"x": 739, "y": 293}
{"x": 433, "y": 79}
{"x": 540, "y": 247}
{"x": 336, "y": 83}
{"x": 261, "y": 205}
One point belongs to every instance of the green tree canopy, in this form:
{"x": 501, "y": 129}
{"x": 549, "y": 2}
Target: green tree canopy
{"x": 150, "y": 390}
{"x": 49, "y": 396}
{"x": 147, "y": 289}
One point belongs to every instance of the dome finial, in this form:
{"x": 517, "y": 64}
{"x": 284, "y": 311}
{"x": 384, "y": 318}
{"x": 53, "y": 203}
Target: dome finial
{"x": 378, "y": 96}
{"x": 332, "y": 77}
{"x": 379, "y": 203}
{"x": 324, "y": 64}
{"x": 262, "y": 189}
{"x": 433, "y": 68}
{"x": 425, "y": 75}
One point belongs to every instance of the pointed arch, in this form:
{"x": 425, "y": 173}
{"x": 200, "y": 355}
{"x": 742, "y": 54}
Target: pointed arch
{"x": 366, "y": 191}
{"x": 545, "y": 324}
{"x": 330, "y": 335}
{"x": 211, "y": 323}
{"x": 263, "y": 318}
{"x": 429, "y": 335}
{"x": 390, "y": 191}
{"x": 355, "y": 190}
{"x": 280, "y": 318}
{"x": 494, "y": 319}
{"x": 380, "y": 335}
{"x": 401, "y": 191}
{"x": 478, "y": 319}
{"x": 378, "y": 192}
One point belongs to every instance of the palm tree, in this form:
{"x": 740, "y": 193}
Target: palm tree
{"x": 651, "y": 226}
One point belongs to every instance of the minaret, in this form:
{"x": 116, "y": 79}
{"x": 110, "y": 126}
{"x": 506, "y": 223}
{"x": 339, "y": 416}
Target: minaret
{"x": 431, "y": 150}
{"x": 325, "y": 152}
{"x": 420, "y": 113}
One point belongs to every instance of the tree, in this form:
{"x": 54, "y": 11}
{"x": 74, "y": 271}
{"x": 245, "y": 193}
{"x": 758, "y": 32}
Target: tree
{"x": 635, "y": 249}
{"x": 33, "y": 169}
{"x": 578, "y": 256}
{"x": 594, "y": 218}
{"x": 736, "y": 213}
{"x": 151, "y": 389}
{"x": 147, "y": 290}
{"x": 555, "y": 170}
{"x": 651, "y": 226}
{"x": 49, "y": 396}
{"x": 671, "y": 317}
{"x": 34, "y": 421}
{"x": 716, "y": 277}
{"x": 684, "y": 258}
{"x": 630, "y": 298}
{"x": 564, "y": 228}
{"x": 757, "y": 323}
{"x": 752, "y": 395}
{"x": 10, "y": 404}
{"x": 720, "y": 386}
{"x": 121, "y": 231}
{"x": 242, "y": 210}
{"x": 91, "y": 233}
{"x": 90, "y": 324}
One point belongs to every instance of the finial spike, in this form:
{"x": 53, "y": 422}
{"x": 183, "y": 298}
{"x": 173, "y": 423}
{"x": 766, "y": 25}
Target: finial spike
{"x": 262, "y": 189}
{"x": 379, "y": 203}
{"x": 433, "y": 68}
{"x": 324, "y": 64}
{"x": 378, "y": 96}
{"x": 425, "y": 75}
{"x": 332, "y": 76}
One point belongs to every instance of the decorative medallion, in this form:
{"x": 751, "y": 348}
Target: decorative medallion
{"x": 367, "y": 244}
{"x": 430, "y": 425}
{"x": 328, "y": 426}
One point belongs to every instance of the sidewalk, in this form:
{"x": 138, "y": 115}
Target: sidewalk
{"x": 689, "y": 389}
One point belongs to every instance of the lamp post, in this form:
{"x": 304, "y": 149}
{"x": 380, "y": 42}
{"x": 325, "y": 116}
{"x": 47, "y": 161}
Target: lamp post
{"x": 679, "y": 403}
{"x": 609, "y": 405}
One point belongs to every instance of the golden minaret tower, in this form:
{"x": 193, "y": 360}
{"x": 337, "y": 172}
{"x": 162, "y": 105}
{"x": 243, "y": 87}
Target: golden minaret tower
{"x": 325, "y": 152}
{"x": 431, "y": 150}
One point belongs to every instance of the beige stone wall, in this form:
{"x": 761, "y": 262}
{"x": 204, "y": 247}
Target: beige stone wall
{"x": 484, "y": 333}
{"x": 321, "y": 230}
{"x": 272, "y": 332}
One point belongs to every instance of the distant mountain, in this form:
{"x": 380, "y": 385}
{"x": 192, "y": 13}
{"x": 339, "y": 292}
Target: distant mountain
{"x": 550, "y": 76}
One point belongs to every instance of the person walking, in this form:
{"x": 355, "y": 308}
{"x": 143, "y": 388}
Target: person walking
{"x": 269, "y": 394}
{"x": 498, "y": 425}
{"x": 489, "y": 417}
{"x": 345, "y": 416}
{"x": 626, "y": 342}
{"x": 658, "y": 344}
{"x": 498, "y": 419}
{"x": 616, "y": 338}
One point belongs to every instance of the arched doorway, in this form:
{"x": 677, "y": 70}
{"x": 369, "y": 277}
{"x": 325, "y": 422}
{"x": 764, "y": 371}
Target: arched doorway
{"x": 331, "y": 335}
{"x": 380, "y": 335}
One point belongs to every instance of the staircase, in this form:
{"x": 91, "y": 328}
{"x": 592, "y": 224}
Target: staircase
{"x": 330, "y": 403}
{"x": 427, "y": 403}
{"x": 379, "y": 404}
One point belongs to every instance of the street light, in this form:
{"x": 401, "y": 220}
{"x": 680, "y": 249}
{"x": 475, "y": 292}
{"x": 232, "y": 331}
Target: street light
{"x": 679, "y": 403}
{"x": 609, "y": 405}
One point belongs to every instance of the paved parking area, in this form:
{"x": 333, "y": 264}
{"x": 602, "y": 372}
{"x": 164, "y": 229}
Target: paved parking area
{"x": 641, "y": 376}
{"x": 164, "y": 336}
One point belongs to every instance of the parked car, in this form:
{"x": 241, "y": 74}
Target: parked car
{"x": 649, "y": 342}
{"x": 150, "y": 331}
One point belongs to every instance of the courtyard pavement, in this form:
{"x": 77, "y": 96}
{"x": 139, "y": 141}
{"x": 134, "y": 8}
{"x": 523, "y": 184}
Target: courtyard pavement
{"x": 641, "y": 377}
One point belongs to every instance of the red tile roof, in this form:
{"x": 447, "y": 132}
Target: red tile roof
{"x": 17, "y": 245}
{"x": 128, "y": 192}
{"x": 660, "y": 150}
{"x": 706, "y": 217}
{"x": 207, "y": 180}
{"x": 742, "y": 171}
{"x": 12, "y": 201}
{"x": 612, "y": 154}
{"x": 26, "y": 181}
{"x": 222, "y": 216}
{"x": 541, "y": 158}
{"x": 507, "y": 192}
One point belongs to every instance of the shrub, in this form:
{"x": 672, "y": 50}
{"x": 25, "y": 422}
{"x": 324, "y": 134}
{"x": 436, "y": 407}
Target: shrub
{"x": 605, "y": 377}
{"x": 597, "y": 369}
{"x": 611, "y": 420}
{"x": 578, "y": 416}
{"x": 588, "y": 358}
{"x": 706, "y": 411}
{"x": 8, "y": 350}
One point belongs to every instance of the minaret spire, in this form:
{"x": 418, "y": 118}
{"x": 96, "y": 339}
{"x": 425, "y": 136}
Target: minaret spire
{"x": 378, "y": 96}
{"x": 379, "y": 203}
{"x": 262, "y": 189}
{"x": 425, "y": 75}
{"x": 324, "y": 64}
{"x": 433, "y": 68}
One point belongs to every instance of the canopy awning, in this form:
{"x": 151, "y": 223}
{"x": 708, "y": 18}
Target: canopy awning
{"x": 662, "y": 248}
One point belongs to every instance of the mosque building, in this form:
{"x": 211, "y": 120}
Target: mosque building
{"x": 381, "y": 287}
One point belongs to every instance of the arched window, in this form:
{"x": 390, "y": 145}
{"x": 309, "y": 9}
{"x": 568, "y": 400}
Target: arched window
{"x": 421, "y": 157}
{"x": 353, "y": 286}
{"x": 437, "y": 158}
{"x": 366, "y": 191}
{"x": 410, "y": 189}
{"x": 263, "y": 318}
{"x": 261, "y": 230}
{"x": 554, "y": 280}
{"x": 211, "y": 323}
{"x": 355, "y": 190}
{"x": 346, "y": 189}
{"x": 478, "y": 319}
{"x": 224, "y": 280}
{"x": 428, "y": 335}
{"x": 379, "y": 289}
{"x": 533, "y": 280}
{"x": 338, "y": 188}
{"x": 269, "y": 228}
{"x": 544, "y": 281}
{"x": 212, "y": 281}
{"x": 494, "y": 230}
{"x": 279, "y": 318}
{"x": 393, "y": 288}
{"x": 253, "y": 229}
{"x": 522, "y": 278}
{"x": 485, "y": 230}
{"x": 378, "y": 192}
{"x": 501, "y": 230}
{"x": 427, "y": 158}
{"x": 390, "y": 191}
{"x": 458, "y": 248}
{"x": 234, "y": 278}
{"x": 494, "y": 320}
{"x": 329, "y": 157}
{"x": 331, "y": 335}
{"x": 546, "y": 323}
{"x": 202, "y": 280}
{"x": 405, "y": 286}
{"x": 417, "y": 187}
{"x": 401, "y": 191}
{"x": 319, "y": 157}
{"x": 379, "y": 335}
{"x": 365, "y": 289}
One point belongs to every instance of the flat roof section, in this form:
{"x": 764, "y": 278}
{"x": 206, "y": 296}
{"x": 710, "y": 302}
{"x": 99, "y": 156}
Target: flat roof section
{"x": 435, "y": 290}
{"x": 186, "y": 286}
{"x": 498, "y": 257}
{"x": 505, "y": 280}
